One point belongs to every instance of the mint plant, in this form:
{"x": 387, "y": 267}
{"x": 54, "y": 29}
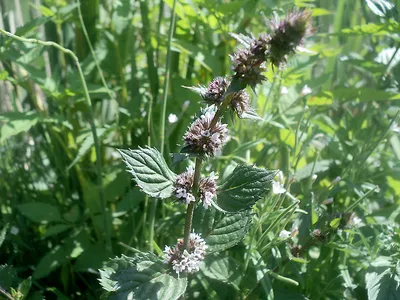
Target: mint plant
{"x": 219, "y": 212}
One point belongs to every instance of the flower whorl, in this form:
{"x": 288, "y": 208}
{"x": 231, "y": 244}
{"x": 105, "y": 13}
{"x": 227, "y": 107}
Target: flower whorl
{"x": 183, "y": 186}
{"x": 189, "y": 260}
{"x": 202, "y": 139}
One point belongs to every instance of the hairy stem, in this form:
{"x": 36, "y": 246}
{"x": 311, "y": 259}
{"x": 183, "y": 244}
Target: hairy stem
{"x": 90, "y": 119}
{"x": 191, "y": 206}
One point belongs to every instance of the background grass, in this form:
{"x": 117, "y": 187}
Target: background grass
{"x": 69, "y": 208}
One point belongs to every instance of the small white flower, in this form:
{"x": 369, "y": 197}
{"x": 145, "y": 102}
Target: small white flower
{"x": 284, "y": 234}
{"x": 181, "y": 193}
{"x": 190, "y": 198}
{"x": 277, "y": 188}
{"x": 356, "y": 221}
{"x": 395, "y": 128}
{"x": 185, "y": 105}
{"x": 284, "y": 90}
{"x": 328, "y": 201}
{"x": 205, "y": 133}
{"x": 306, "y": 90}
{"x": 14, "y": 230}
{"x": 336, "y": 180}
{"x": 314, "y": 177}
{"x": 172, "y": 118}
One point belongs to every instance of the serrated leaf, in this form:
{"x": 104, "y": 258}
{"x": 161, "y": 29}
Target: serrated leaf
{"x": 243, "y": 187}
{"x": 40, "y": 212}
{"x": 141, "y": 277}
{"x": 150, "y": 171}
{"x": 221, "y": 231}
{"x": 382, "y": 286}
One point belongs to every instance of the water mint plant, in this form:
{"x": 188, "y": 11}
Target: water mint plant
{"x": 218, "y": 211}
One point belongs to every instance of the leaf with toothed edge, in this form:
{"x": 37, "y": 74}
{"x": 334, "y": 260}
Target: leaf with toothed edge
{"x": 243, "y": 188}
{"x": 144, "y": 276}
{"x": 150, "y": 171}
{"x": 221, "y": 231}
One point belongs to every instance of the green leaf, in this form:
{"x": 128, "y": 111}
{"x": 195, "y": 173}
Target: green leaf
{"x": 24, "y": 287}
{"x": 141, "y": 277}
{"x": 32, "y": 25}
{"x": 383, "y": 286}
{"x": 56, "y": 229}
{"x": 86, "y": 145}
{"x": 40, "y": 212}
{"x": 150, "y": 171}
{"x": 3, "y": 234}
{"x": 15, "y": 123}
{"x": 51, "y": 261}
{"x": 221, "y": 231}
{"x": 243, "y": 187}
{"x": 222, "y": 268}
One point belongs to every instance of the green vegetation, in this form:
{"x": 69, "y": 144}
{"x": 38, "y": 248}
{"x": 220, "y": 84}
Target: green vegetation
{"x": 79, "y": 81}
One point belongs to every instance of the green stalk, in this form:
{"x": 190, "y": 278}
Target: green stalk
{"x": 96, "y": 61}
{"x": 164, "y": 111}
{"x": 167, "y": 75}
{"x": 151, "y": 67}
{"x": 91, "y": 121}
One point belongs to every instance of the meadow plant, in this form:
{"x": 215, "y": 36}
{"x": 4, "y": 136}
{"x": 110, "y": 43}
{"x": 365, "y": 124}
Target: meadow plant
{"x": 218, "y": 212}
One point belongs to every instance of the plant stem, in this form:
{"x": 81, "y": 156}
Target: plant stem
{"x": 167, "y": 73}
{"x": 96, "y": 61}
{"x": 91, "y": 121}
{"x": 191, "y": 206}
{"x": 164, "y": 111}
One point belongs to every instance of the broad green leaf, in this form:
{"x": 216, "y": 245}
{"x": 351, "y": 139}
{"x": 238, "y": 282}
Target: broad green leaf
{"x": 51, "y": 261}
{"x": 243, "y": 187}
{"x": 3, "y": 234}
{"x": 142, "y": 277}
{"x": 32, "y": 25}
{"x": 150, "y": 171}
{"x": 221, "y": 231}
{"x": 86, "y": 145}
{"x": 383, "y": 286}
{"x": 40, "y": 212}
{"x": 56, "y": 229}
{"x": 310, "y": 169}
{"x": 222, "y": 268}
{"x": 15, "y": 123}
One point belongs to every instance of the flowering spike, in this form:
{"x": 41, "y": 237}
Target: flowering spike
{"x": 287, "y": 35}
